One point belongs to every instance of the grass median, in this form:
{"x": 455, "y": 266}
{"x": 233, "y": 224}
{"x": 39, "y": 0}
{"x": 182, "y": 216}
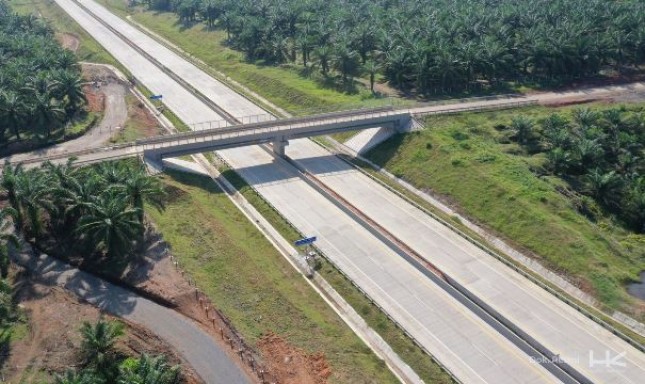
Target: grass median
{"x": 253, "y": 284}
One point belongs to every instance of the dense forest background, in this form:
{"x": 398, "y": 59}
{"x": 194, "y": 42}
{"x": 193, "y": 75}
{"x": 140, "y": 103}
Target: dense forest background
{"x": 40, "y": 82}
{"x": 431, "y": 46}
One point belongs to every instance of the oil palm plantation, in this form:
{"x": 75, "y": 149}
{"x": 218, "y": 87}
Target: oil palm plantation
{"x": 98, "y": 347}
{"x": 149, "y": 370}
{"x": 7, "y": 239}
{"x": 13, "y": 112}
{"x": 110, "y": 223}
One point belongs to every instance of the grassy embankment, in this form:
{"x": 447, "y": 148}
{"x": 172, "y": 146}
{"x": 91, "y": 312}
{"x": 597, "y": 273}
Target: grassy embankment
{"x": 252, "y": 283}
{"x": 473, "y": 165}
{"x": 286, "y": 86}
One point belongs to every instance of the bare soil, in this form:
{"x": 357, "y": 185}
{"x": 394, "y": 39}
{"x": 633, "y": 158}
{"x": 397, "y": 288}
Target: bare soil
{"x": 52, "y": 344}
{"x": 157, "y": 274}
{"x": 68, "y": 41}
{"x": 141, "y": 118}
{"x": 95, "y": 99}
{"x": 293, "y": 365}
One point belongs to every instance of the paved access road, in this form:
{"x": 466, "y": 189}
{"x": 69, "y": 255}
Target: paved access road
{"x": 378, "y": 270}
{"x": 197, "y": 347}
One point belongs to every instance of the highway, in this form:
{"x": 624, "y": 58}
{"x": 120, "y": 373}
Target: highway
{"x": 470, "y": 348}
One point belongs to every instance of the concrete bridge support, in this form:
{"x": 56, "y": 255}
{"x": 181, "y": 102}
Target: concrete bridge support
{"x": 279, "y": 146}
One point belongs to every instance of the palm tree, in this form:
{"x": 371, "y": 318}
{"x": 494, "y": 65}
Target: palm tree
{"x": 112, "y": 172}
{"x": 32, "y": 188}
{"x": 10, "y": 175}
{"x": 559, "y": 160}
{"x": 585, "y": 117}
{"x": 604, "y": 187}
{"x": 71, "y": 377}
{"x": 46, "y": 111}
{"x": 586, "y": 152}
{"x": 7, "y": 238}
{"x": 68, "y": 86}
{"x": 149, "y": 370}
{"x": 371, "y": 67}
{"x": 345, "y": 61}
{"x": 13, "y": 111}
{"x": 139, "y": 188}
{"x": 636, "y": 206}
{"x": 98, "y": 343}
{"x": 110, "y": 223}
{"x": 66, "y": 60}
{"x": 522, "y": 127}
{"x": 323, "y": 56}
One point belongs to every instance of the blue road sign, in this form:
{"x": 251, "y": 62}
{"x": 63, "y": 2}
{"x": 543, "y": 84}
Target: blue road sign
{"x": 305, "y": 241}
{"x": 156, "y": 97}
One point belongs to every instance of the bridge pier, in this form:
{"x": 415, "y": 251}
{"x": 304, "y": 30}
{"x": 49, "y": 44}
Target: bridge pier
{"x": 153, "y": 162}
{"x": 279, "y": 146}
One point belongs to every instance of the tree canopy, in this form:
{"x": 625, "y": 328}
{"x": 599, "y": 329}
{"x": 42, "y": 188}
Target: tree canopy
{"x": 90, "y": 211}
{"x": 40, "y": 82}
{"x": 600, "y": 153}
{"x": 431, "y": 46}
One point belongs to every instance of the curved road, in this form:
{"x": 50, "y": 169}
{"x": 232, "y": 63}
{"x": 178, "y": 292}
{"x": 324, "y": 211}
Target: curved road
{"x": 198, "y": 348}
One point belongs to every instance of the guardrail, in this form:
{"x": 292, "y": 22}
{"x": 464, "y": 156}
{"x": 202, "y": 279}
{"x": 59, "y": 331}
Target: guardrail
{"x": 562, "y": 297}
{"x": 338, "y": 268}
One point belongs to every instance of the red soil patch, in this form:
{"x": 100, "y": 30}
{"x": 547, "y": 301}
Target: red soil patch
{"x": 292, "y": 365}
{"x": 571, "y": 101}
{"x": 141, "y": 117}
{"x": 53, "y": 341}
{"x": 95, "y": 99}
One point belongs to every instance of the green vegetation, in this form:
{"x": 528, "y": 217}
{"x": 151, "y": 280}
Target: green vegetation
{"x": 430, "y": 47}
{"x": 250, "y": 282}
{"x": 90, "y": 211}
{"x": 492, "y": 166}
{"x": 103, "y": 363}
{"x": 35, "y": 103}
{"x": 62, "y": 23}
{"x": 286, "y": 85}
{"x": 600, "y": 154}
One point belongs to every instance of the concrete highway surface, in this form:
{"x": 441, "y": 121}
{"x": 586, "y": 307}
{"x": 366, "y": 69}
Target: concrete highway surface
{"x": 473, "y": 350}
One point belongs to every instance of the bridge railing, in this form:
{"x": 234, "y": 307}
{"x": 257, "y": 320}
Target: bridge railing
{"x": 270, "y": 126}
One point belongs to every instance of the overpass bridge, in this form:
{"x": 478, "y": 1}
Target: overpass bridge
{"x": 276, "y": 132}
{"x": 223, "y": 134}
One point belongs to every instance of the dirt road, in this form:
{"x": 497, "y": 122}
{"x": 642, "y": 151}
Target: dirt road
{"x": 115, "y": 114}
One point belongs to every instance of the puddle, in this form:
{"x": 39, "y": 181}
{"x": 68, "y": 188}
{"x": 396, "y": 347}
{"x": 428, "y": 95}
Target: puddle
{"x": 638, "y": 289}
